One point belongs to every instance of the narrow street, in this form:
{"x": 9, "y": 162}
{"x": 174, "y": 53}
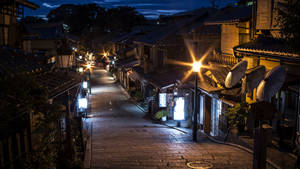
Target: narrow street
{"x": 122, "y": 138}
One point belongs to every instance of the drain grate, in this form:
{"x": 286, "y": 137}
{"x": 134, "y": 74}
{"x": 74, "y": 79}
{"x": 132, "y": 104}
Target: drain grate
{"x": 199, "y": 165}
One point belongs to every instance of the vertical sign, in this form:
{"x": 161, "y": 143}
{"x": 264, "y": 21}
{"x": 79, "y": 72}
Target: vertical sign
{"x": 162, "y": 99}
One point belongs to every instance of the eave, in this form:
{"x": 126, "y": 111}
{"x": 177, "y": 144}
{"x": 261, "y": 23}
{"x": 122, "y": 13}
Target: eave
{"x": 28, "y": 4}
{"x": 283, "y": 56}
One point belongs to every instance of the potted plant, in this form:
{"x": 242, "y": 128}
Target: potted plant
{"x": 161, "y": 114}
{"x": 237, "y": 117}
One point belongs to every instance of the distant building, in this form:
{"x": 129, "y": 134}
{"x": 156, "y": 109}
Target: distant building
{"x": 50, "y": 40}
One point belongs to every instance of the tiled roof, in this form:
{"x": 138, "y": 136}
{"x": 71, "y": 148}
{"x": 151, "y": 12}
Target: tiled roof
{"x": 162, "y": 32}
{"x": 134, "y": 34}
{"x": 268, "y": 47}
{"x": 220, "y": 73}
{"x": 126, "y": 63}
{"x": 58, "y": 81}
{"x": 160, "y": 79}
{"x": 14, "y": 61}
{"x": 230, "y": 14}
{"x": 44, "y": 31}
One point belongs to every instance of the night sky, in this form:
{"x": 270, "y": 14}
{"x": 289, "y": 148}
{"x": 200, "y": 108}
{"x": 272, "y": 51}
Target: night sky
{"x": 149, "y": 8}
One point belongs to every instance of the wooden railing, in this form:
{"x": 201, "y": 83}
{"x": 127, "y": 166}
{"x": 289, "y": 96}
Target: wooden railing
{"x": 224, "y": 58}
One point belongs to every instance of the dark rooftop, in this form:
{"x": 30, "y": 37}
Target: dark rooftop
{"x": 230, "y": 14}
{"x": 44, "y": 31}
{"x": 162, "y": 32}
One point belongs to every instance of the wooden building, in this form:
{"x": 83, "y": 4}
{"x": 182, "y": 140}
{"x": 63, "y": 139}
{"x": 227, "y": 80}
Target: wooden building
{"x": 51, "y": 41}
{"x": 10, "y": 11}
{"x": 267, "y": 49}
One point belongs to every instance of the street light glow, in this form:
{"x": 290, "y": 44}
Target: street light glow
{"x": 89, "y": 66}
{"x": 197, "y": 66}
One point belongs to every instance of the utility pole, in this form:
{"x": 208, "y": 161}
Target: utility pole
{"x": 195, "y": 124}
{"x": 262, "y": 111}
{"x": 68, "y": 126}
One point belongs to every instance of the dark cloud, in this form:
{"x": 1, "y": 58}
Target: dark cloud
{"x": 149, "y": 8}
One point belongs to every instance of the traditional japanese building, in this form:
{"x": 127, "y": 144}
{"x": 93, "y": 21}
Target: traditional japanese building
{"x": 49, "y": 40}
{"x": 269, "y": 50}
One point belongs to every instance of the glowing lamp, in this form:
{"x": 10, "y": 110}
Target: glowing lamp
{"x": 85, "y": 85}
{"x": 80, "y": 69}
{"x": 88, "y": 66}
{"x": 82, "y": 103}
{"x": 197, "y": 66}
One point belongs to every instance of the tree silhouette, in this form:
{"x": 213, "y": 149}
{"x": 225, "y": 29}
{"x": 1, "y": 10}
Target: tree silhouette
{"x": 289, "y": 18}
{"x": 83, "y": 19}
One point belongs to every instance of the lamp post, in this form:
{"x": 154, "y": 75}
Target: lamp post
{"x": 196, "y": 69}
{"x": 89, "y": 66}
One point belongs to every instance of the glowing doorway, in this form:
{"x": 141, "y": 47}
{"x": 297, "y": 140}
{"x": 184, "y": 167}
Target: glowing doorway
{"x": 179, "y": 109}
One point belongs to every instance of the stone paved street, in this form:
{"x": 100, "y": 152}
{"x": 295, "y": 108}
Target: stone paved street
{"x": 122, "y": 138}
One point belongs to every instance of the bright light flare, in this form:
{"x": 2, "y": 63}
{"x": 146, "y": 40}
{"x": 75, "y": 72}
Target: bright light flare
{"x": 190, "y": 50}
{"x": 89, "y": 66}
{"x": 176, "y": 62}
{"x": 197, "y": 66}
{"x": 185, "y": 78}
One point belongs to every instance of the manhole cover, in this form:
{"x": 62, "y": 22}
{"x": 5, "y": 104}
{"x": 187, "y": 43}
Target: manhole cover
{"x": 199, "y": 165}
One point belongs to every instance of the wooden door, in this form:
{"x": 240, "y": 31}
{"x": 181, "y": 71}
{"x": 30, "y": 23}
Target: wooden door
{"x": 207, "y": 115}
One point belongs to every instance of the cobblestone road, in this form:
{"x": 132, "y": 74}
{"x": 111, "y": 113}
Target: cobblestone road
{"x": 121, "y": 138}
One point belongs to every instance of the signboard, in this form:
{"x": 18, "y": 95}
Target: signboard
{"x": 162, "y": 99}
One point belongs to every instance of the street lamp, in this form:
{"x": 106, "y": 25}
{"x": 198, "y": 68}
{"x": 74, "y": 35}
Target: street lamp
{"x": 89, "y": 67}
{"x": 196, "y": 69}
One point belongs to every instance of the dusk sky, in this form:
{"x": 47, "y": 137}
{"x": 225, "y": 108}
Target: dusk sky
{"x": 149, "y": 8}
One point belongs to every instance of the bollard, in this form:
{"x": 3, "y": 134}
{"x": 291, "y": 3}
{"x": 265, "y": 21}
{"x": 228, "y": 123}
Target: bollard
{"x": 262, "y": 136}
